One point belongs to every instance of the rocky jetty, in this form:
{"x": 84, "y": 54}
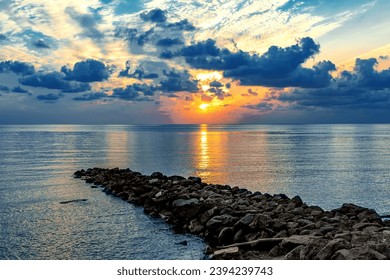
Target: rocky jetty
{"x": 239, "y": 224}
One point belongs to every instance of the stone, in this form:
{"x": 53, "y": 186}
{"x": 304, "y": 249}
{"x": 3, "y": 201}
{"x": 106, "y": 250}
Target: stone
{"x": 334, "y": 245}
{"x": 246, "y": 220}
{"x": 154, "y": 181}
{"x": 222, "y": 220}
{"x": 296, "y": 200}
{"x": 296, "y": 240}
{"x": 195, "y": 226}
{"x": 226, "y": 236}
{"x": 227, "y": 251}
{"x": 183, "y": 202}
{"x": 157, "y": 175}
{"x": 358, "y": 254}
{"x": 294, "y": 254}
{"x": 195, "y": 180}
{"x": 73, "y": 201}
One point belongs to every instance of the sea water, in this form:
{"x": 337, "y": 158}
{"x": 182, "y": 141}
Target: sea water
{"x": 327, "y": 165}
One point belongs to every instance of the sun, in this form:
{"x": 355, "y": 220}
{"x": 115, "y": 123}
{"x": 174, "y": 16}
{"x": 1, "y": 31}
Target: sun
{"x": 204, "y": 106}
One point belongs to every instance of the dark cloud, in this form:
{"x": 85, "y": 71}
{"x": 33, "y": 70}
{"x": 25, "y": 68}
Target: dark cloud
{"x": 250, "y": 92}
{"x": 218, "y": 93}
{"x": 278, "y": 67}
{"x": 4, "y": 88}
{"x": 87, "y": 71}
{"x": 41, "y": 44}
{"x": 131, "y": 35}
{"x": 155, "y": 15}
{"x": 134, "y": 92}
{"x": 19, "y": 89}
{"x": 3, "y": 37}
{"x": 88, "y": 22}
{"x": 362, "y": 88}
{"x": 17, "y": 67}
{"x": 178, "y": 81}
{"x": 91, "y": 96}
{"x": 262, "y": 107}
{"x": 216, "y": 84}
{"x": 168, "y": 42}
{"x": 138, "y": 73}
{"x": 183, "y": 25}
{"x": 365, "y": 75}
{"x": 53, "y": 80}
{"x": 49, "y": 98}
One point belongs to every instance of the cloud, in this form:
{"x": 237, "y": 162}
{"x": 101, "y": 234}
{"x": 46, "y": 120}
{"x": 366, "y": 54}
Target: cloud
{"x": 219, "y": 93}
{"x": 2, "y": 37}
{"x": 278, "y": 67}
{"x": 138, "y": 73}
{"x": 41, "y": 44}
{"x": 183, "y": 25}
{"x": 19, "y": 89}
{"x": 49, "y": 98}
{"x": 4, "y": 88}
{"x": 168, "y": 42}
{"x": 362, "y": 88}
{"x": 178, "y": 81}
{"x": 88, "y": 22}
{"x": 91, "y": 96}
{"x": 87, "y": 71}
{"x": 155, "y": 15}
{"x": 16, "y": 67}
{"x": 134, "y": 92}
{"x": 262, "y": 107}
{"x": 216, "y": 84}
{"x": 53, "y": 80}
{"x": 366, "y": 76}
{"x": 132, "y": 36}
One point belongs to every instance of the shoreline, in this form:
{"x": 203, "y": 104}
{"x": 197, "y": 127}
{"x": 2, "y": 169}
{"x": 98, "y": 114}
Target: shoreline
{"x": 240, "y": 224}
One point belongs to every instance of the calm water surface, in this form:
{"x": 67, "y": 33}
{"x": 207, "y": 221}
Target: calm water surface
{"x": 326, "y": 165}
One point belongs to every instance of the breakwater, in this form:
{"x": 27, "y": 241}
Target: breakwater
{"x": 239, "y": 224}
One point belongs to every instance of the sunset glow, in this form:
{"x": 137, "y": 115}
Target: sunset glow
{"x": 163, "y": 61}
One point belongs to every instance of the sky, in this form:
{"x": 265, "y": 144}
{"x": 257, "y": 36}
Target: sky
{"x": 190, "y": 62}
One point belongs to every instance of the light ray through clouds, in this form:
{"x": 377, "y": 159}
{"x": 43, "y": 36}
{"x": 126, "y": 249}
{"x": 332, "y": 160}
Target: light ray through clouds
{"x": 160, "y": 61}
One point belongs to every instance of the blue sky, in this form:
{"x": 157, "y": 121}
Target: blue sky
{"x": 160, "y": 61}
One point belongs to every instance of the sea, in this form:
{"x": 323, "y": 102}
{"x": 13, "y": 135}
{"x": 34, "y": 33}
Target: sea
{"x": 326, "y": 165}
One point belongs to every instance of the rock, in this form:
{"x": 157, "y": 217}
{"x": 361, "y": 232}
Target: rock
{"x": 183, "y": 202}
{"x": 257, "y": 223}
{"x": 358, "y": 254}
{"x": 361, "y": 226}
{"x": 154, "y": 181}
{"x": 246, "y": 220}
{"x": 227, "y": 251}
{"x": 157, "y": 175}
{"x": 195, "y": 226}
{"x": 195, "y": 180}
{"x": 324, "y": 230}
{"x": 222, "y": 220}
{"x": 294, "y": 254}
{"x": 334, "y": 245}
{"x": 296, "y": 240}
{"x": 297, "y": 201}
{"x": 226, "y": 236}
{"x": 73, "y": 201}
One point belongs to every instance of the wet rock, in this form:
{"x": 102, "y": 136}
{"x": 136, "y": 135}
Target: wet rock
{"x": 73, "y": 201}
